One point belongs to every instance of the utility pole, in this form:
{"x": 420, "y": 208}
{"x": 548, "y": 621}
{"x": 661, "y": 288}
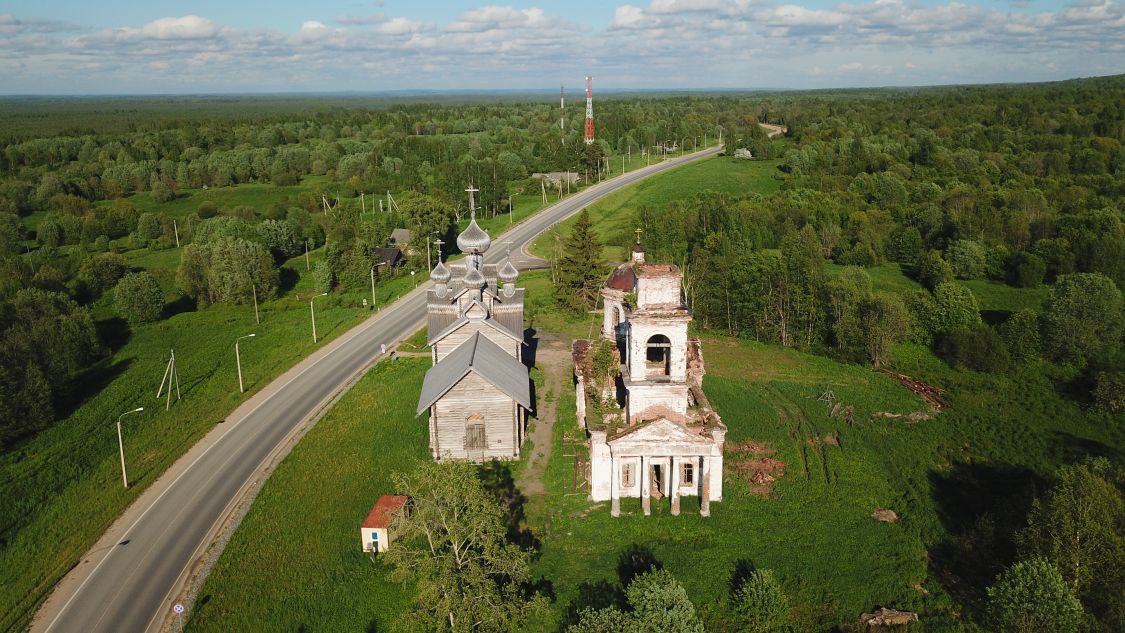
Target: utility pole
{"x": 254, "y": 287}
{"x": 176, "y": 228}
{"x": 373, "y": 282}
{"x": 170, "y": 373}
{"x": 238, "y": 361}
{"x": 121, "y": 445}
{"x": 307, "y": 266}
{"x": 312, "y": 313}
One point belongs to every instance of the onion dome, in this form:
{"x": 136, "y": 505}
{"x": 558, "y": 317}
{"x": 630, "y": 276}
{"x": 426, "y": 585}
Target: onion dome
{"x": 440, "y": 274}
{"x": 474, "y": 279}
{"x": 473, "y": 239}
{"x": 508, "y": 273}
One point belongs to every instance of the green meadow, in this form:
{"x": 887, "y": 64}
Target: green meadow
{"x": 614, "y": 216}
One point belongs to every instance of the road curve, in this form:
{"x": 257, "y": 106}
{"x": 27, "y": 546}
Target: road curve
{"x": 128, "y": 580}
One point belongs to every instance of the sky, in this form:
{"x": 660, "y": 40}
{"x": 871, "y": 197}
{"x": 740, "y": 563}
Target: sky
{"x": 249, "y": 46}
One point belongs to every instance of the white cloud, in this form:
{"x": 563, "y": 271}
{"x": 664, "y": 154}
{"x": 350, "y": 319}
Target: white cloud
{"x": 182, "y": 28}
{"x": 673, "y": 43}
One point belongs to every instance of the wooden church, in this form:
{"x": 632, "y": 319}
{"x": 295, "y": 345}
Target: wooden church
{"x": 478, "y": 389}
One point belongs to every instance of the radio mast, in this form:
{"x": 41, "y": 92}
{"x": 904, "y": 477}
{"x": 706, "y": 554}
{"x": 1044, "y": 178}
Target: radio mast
{"x": 589, "y": 110}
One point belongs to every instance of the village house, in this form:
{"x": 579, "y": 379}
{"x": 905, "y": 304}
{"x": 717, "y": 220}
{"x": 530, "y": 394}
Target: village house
{"x": 651, "y": 430}
{"x": 478, "y": 389}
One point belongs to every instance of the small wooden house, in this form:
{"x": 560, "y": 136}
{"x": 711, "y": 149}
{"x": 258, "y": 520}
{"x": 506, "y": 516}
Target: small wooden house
{"x": 375, "y": 534}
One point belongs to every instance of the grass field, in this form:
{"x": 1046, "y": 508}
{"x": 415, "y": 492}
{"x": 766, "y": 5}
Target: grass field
{"x": 614, "y": 217}
{"x": 297, "y": 549}
{"x": 295, "y": 561}
{"x": 71, "y": 470}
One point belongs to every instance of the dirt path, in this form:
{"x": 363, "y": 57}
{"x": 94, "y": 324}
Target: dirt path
{"x": 774, "y": 130}
{"x": 553, "y": 358}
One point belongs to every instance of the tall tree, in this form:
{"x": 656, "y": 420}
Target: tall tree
{"x": 452, "y": 543}
{"x": 1079, "y": 525}
{"x": 578, "y": 269}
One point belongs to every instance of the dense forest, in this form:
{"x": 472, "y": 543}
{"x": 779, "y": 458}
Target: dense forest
{"x": 1020, "y": 187}
{"x": 67, "y": 208}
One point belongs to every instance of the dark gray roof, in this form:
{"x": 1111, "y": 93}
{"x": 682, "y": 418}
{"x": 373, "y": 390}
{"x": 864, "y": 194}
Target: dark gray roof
{"x": 390, "y": 256}
{"x": 480, "y": 355}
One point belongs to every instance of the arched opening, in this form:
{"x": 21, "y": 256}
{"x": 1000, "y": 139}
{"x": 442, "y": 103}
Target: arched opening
{"x": 658, "y": 356}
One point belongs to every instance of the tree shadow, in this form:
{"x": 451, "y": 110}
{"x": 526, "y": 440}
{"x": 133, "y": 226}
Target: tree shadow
{"x": 1067, "y": 448}
{"x": 88, "y": 384}
{"x": 497, "y": 479}
{"x": 995, "y": 318}
{"x": 982, "y": 506}
{"x": 114, "y": 332}
{"x": 593, "y": 596}
{"x": 636, "y": 560}
{"x": 633, "y": 561}
{"x": 287, "y": 279}
{"x": 181, "y": 304}
{"x": 743, "y": 567}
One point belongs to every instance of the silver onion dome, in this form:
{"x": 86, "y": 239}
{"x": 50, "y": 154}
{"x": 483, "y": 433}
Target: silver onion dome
{"x": 508, "y": 273}
{"x": 474, "y": 279}
{"x": 440, "y": 274}
{"x": 473, "y": 239}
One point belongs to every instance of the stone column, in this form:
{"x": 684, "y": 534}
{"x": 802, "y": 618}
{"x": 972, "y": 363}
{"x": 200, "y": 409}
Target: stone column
{"x": 705, "y": 494}
{"x": 615, "y": 486}
{"x": 674, "y": 482}
{"x": 646, "y": 503}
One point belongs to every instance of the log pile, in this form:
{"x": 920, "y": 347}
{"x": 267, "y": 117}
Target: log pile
{"x": 931, "y": 394}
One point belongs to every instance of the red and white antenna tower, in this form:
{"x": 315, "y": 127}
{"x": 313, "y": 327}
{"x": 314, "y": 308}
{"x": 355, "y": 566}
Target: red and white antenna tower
{"x": 589, "y": 110}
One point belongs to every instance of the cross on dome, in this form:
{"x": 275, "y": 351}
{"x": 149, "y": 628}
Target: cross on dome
{"x": 472, "y": 201}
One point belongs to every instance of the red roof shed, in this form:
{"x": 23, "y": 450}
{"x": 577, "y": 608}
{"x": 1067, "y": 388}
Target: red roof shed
{"x": 384, "y": 511}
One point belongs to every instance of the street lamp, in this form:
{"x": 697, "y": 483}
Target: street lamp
{"x": 312, "y": 313}
{"x": 238, "y": 361}
{"x": 121, "y": 445}
{"x": 415, "y": 281}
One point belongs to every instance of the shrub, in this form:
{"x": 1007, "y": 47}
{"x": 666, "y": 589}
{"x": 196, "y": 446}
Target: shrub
{"x": 102, "y": 271}
{"x": 1109, "y": 394}
{"x": 760, "y": 604}
{"x": 1026, "y": 270}
{"x": 323, "y": 277}
{"x": 1031, "y": 597}
{"x": 1021, "y": 335}
{"x": 933, "y": 270}
{"x": 967, "y": 259}
{"x": 207, "y": 209}
{"x": 138, "y": 298}
{"x": 979, "y": 348}
{"x": 281, "y": 238}
{"x": 1083, "y": 318}
{"x": 148, "y": 227}
{"x": 956, "y": 308}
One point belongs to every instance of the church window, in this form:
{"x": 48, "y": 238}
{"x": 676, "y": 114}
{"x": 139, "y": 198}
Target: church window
{"x": 627, "y": 479}
{"x": 687, "y": 474}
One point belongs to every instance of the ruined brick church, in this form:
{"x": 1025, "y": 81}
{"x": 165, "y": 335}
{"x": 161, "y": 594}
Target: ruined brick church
{"x": 651, "y": 430}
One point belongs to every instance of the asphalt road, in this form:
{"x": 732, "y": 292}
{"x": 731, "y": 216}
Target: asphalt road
{"x": 128, "y": 582}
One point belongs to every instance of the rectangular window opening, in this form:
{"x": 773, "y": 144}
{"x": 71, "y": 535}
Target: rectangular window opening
{"x": 687, "y": 474}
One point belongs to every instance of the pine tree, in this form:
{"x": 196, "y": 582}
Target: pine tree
{"x": 578, "y": 270}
